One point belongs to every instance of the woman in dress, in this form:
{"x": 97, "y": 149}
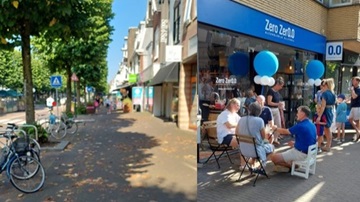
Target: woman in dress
{"x": 328, "y": 99}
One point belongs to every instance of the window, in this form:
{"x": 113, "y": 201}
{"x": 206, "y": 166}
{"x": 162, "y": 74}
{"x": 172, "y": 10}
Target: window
{"x": 334, "y": 3}
{"x": 187, "y": 14}
{"x": 176, "y": 31}
{"x": 156, "y": 43}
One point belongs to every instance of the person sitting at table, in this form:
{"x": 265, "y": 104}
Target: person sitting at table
{"x": 254, "y": 126}
{"x": 305, "y": 135}
{"x": 266, "y": 116}
{"x": 226, "y": 124}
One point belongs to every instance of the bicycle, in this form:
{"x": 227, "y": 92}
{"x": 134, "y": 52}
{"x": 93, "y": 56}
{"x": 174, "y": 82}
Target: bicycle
{"x": 13, "y": 131}
{"x": 23, "y": 169}
{"x": 71, "y": 124}
{"x": 54, "y": 126}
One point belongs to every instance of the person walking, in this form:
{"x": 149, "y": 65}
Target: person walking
{"x": 273, "y": 99}
{"x": 328, "y": 99}
{"x": 355, "y": 107}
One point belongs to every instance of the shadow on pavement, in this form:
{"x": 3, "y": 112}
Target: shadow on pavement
{"x": 109, "y": 160}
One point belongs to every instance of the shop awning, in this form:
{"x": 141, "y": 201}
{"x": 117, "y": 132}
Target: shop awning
{"x": 167, "y": 74}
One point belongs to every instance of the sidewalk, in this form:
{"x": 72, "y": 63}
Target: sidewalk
{"x": 119, "y": 157}
{"x": 336, "y": 179}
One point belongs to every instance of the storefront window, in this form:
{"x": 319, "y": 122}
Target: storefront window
{"x": 220, "y": 81}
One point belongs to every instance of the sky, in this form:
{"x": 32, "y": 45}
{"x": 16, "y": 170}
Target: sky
{"x": 128, "y": 13}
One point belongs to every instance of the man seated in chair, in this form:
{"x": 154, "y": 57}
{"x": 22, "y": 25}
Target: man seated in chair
{"x": 305, "y": 135}
{"x": 226, "y": 123}
{"x": 266, "y": 116}
{"x": 254, "y": 126}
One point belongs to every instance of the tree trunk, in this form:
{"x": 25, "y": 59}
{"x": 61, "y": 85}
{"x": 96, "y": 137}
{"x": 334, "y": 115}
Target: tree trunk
{"x": 68, "y": 89}
{"x": 27, "y": 73}
{"x": 78, "y": 91}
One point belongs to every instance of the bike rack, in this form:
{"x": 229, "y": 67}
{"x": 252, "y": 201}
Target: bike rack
{"x": 31, "y": 126}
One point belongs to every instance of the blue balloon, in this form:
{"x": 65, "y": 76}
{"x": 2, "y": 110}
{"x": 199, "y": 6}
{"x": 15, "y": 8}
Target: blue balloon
{"x": 315, "y": 69}
{"x": 266, "y": 63}
{"x": 238, "y": 64}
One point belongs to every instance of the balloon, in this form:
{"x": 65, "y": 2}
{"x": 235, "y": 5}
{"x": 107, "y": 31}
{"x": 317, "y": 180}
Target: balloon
{"x": 265, "y": 80}
{"x": 315, "y": 69}
{"x": 238, "y": 64}
{"x": 311, "y": 82}
{"x": 272, "y": 81}
{"x": 266, "y": 63}
{"x": 317, "y": 82}
{"x": 257, "y": 79}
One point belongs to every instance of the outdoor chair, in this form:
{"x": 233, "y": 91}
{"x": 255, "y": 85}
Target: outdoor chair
{"x": 306, "y": 166}
{"x": 210, "y": 128}
{"x": 248, "y": 151}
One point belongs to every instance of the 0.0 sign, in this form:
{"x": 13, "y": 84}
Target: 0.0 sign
{"x": 334, "y": 50}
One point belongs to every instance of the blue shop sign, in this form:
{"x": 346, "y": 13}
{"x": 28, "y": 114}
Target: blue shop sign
{"x": 237, "y": 17}
{"x": 136, "y": 92}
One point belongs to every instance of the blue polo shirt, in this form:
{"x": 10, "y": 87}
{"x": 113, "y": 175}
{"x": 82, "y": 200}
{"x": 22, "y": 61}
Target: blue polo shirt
{"x": 266, "y": 115}
{"x": 305, "y": 135}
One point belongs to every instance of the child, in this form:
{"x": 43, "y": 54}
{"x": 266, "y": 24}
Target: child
{"x": 341, "y": 118}
{"x": 319, "y": 127}
{"x": 108, "y": 105}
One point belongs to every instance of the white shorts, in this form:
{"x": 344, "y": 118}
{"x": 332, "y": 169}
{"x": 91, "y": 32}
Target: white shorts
{"x": 355, "y": 113}
{"x": 293, "y": 155}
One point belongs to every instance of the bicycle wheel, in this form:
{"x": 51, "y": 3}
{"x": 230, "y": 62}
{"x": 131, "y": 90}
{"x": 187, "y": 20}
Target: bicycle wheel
{"x": 72, "y": 127}
{"x": 35, "y": 146}
{"x": 58, "y": 130}
{"x": 22, "y": 161}
{"x": 26, "y": 174}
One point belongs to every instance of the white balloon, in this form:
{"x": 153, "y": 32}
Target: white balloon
{"x": 265, "y": 80}
{"x": 272, "y": 81}
{"x": 317, "y": 82}
{"x": 257, "y": 79}
{"x": 311, "y": 82}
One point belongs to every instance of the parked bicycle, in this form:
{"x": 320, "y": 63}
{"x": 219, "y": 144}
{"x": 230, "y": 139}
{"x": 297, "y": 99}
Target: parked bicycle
{"x": 21, "y": 163}
{"x": 12, "y": 130}
{"x": 54, "y": 126}
{"x": 71, "y": 124}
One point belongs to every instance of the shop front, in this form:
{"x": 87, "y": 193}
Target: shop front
{"x": 228, "y": 44}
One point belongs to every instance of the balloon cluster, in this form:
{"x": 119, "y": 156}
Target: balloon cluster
{"x": 315, "y": 69}
{"x": 266, "y": 64}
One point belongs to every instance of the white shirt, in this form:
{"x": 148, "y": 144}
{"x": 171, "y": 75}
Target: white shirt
{"x": 221, "y": 129}
{"x": 49, "y": 101}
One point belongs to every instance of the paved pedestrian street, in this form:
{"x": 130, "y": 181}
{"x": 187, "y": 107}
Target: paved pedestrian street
{"x": 119, "y": 157}
{"x": 336, "y": 179}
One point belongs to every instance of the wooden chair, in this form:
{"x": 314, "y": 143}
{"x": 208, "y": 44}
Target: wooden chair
{"x": 248, "y": 151}
{"x": 306, "y": 166}
{"x": 215, "y": 146}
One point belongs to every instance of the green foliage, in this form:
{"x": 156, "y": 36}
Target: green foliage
{"x": 81, "y": 109}
{"x": 43, "y": 136}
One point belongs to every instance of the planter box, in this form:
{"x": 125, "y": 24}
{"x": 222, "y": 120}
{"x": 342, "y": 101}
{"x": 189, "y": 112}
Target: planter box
{"x": 90, "y": 109}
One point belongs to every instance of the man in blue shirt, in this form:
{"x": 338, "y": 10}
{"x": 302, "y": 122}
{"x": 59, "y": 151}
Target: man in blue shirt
{"x": 305, "y": 135}
{"x": 355, "y": 107}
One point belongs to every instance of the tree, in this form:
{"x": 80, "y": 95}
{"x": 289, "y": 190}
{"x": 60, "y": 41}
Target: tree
{"x": 81, "y": 54}
{"x": 19, "y": 20}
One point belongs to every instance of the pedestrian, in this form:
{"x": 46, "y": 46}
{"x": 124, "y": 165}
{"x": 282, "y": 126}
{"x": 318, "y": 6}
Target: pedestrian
{"x": 320, "y": 125}
{"x": 305, "y": 136}
{"x": 328, "y": 99}
{"x": 355, "y": 107}
{"x": 108, "y": 104}
{"x": 50, "y": 102}
{"x": 273, "y": 100}
{"x": 341, "y": 118}
{"x": 97, "y": 104}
